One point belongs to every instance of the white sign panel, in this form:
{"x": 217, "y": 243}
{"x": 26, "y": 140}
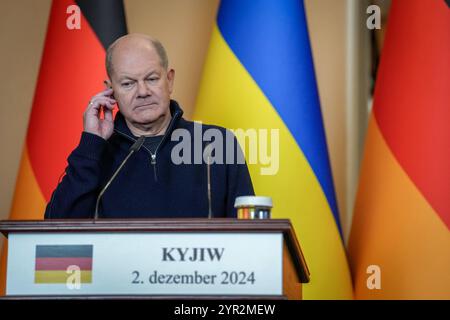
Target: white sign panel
{"x": 144, "y": 264}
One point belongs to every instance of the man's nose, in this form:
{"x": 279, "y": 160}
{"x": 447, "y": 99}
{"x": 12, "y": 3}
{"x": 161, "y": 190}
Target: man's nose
{"x": 143, "y": 89}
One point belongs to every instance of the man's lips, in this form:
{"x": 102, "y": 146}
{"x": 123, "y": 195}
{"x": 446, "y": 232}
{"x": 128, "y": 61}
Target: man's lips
{"x": 145, "y": 105}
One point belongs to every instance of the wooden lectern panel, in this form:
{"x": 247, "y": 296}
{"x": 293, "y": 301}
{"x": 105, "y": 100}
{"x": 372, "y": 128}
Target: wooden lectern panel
{"x": 292, "y": 287}
{"x": 295, "y": 270}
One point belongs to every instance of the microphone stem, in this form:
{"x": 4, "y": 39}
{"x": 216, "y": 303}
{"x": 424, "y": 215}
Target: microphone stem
{"x": 135, "y": 147}
{"x": 209, "y": 187}
{"x": 109, "y": 182}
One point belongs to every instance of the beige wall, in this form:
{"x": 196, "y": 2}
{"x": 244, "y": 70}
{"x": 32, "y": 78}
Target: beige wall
{"x": 327, "y": 28}
{"x": 184, "y": 27}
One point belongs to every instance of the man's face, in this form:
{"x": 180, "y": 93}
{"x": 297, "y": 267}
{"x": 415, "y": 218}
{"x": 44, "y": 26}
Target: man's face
{"x": 142, "y": 87}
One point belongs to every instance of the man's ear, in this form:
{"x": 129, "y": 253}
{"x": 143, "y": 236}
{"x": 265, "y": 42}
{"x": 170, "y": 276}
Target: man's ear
{"x": 171, "y": 79}
{"x": 107, "y": 83}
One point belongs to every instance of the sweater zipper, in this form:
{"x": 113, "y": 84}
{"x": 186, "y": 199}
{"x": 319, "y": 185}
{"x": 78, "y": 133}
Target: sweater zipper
{"x": 153, "y": 155}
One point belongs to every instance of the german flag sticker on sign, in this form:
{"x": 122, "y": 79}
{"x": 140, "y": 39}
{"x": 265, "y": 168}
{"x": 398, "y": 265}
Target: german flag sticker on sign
{"x": 56, "y": 263}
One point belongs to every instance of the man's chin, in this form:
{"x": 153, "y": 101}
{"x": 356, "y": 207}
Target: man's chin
{"x": 145, "y": 116}
{"x": 147, "y": 112}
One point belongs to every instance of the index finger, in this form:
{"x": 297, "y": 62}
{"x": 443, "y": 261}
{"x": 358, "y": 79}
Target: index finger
{"x": 107, "y": 91}
{"x": 104, "y": 93}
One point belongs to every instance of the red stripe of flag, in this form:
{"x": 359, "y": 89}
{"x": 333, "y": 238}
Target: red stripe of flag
{"x": 43, "y": 264}
{"x": 412, "y": 100}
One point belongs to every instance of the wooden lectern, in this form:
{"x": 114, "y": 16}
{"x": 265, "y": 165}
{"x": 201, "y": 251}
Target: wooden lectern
{"x": 154, "y": 259}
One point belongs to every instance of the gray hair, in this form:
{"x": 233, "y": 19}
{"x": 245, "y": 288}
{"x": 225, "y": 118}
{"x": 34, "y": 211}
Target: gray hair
{"x": 157, "y": 45}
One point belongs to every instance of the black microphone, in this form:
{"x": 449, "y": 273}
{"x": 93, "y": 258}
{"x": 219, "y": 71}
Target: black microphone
{"x": 135, "y": 147}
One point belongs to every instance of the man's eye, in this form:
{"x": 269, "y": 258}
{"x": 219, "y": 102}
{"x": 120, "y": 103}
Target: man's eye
{"x": 126, "y": 84}
{"x": 152, "y": 79}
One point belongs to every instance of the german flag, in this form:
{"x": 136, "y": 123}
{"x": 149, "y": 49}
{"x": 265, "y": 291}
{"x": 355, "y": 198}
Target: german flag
{"x": 54, "y": 262}
{"x": 72, "y": 70}
{"x": 401, "y": 221}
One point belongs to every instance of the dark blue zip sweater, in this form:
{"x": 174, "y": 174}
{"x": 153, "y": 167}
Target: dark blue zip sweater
{"x": 145, "y": 188}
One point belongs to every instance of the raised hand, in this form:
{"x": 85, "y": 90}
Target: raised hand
{"x": 92, "y": 123}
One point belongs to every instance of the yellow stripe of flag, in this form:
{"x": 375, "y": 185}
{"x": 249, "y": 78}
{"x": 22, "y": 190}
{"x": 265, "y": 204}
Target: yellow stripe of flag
{"x": 60, "y": 276}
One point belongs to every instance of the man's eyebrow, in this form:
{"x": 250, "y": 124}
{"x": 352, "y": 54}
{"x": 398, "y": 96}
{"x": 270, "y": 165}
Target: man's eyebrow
{"x": 124, "y": 77}
{"x": 150, "y": 73}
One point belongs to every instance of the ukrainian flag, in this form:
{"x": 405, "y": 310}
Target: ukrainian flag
{"x": 259, "y": 74}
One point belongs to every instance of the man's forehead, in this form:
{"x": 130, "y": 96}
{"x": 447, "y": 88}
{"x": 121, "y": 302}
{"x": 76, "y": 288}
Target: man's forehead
{"x": 138, "y": 51}
{"x": 134, "y": 61}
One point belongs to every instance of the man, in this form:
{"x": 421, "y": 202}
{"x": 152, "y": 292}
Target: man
{"x": 150, "y": 183}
